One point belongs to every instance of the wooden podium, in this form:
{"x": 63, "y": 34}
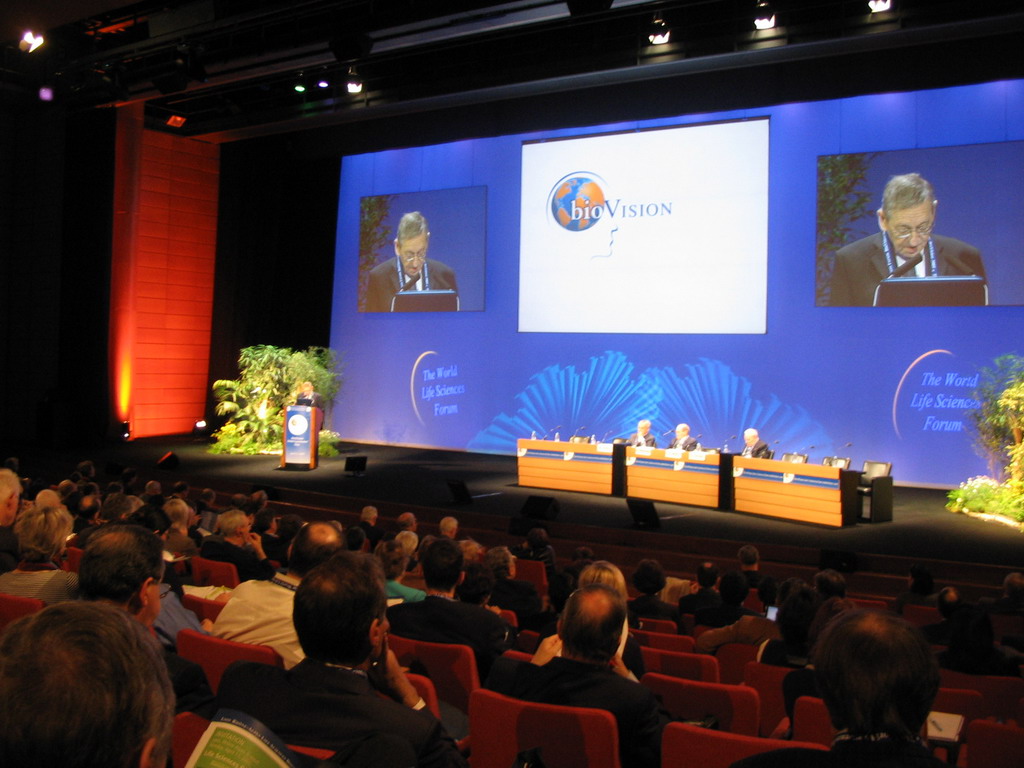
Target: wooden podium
{"x": 808, "y": 493}
{"x": 681, "y": 477}
{"x": 563, "y": 466}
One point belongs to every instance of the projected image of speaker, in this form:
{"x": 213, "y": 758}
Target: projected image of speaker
{"x": 355, "y": 465}
{"x": 643, "y": 512}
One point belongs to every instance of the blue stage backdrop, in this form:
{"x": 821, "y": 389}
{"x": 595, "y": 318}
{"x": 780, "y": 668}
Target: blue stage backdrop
{"x": 889, "y": 384}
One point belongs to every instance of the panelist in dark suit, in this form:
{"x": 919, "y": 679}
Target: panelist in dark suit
{"x": 754, "y": 446}
{"x": 905, "y": 245}
{"x": 643, "y": 435}
{"x": 332, "y": 699}
{"x": 682, "y": 440}
{"x": 410, "y": 270}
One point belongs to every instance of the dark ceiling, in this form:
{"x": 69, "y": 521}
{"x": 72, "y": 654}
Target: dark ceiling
{"x": 230, "y": 67}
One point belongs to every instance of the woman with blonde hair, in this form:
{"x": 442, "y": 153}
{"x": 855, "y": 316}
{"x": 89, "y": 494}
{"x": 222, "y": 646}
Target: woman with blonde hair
{"x": 178, "y": 541}
{"x": 42, "y": 534}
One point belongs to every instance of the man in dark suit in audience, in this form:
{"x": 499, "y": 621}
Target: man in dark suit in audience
{"x": 123, "y": 565}
{"x": 440, "y": 618}
{"x": 121, "y": 707}
{"x": 707, "y": 595}
{"x": 332, "y": 699}
{"x": 734, "y": 590}
{"x": 878, "y": 678}
{"x": 948, "y": 603}
{"x": 514, "y": 594}
{"x": 583, "y": 673}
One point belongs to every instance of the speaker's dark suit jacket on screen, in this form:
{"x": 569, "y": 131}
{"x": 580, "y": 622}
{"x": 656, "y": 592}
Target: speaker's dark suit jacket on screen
{"x": 688, "y": 443}
{"x": 384, "y": 285}
{"x": 861, "y": 265}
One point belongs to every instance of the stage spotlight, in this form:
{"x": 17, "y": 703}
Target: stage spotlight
{"x": 877, "y": 6}
{"x": 30, "y": 41}
{"x": 126, "y": 431}
{"x": 660, "y": 33}
{"x": 299, "y": 88}
{"x": 764, "y": 15}
{"x": 45, "y": 93}
{"x": 321, "y": 83}
{"x": 176, "y": 121}
{"x": 200, "y": 429}
{"x": 354, "y": 83}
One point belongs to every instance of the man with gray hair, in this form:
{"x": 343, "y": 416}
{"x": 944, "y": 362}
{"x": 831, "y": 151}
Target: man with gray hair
{"x": 410, "y": 270}
{"x": 905, "y": 245}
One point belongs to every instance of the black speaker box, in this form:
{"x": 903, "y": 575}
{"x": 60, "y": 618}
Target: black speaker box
{"x": 168, "y": 461}
{"x": 643, "y": 512}
{"x": 838, "y": 560}
{"x": 540, "y": 508}
{"x": 459, "y": 491}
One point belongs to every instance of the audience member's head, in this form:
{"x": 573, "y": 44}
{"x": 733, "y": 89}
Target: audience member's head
{"x": 339, "y": 609}
{"x": 355, "y": 538}
{"x": 368, "y": 515}
{"x": 313, "y": 544}
{"x": 476, "y": 585}
{"x": 830, "y": 583}
{"x": 289, "y": 525}
{"x": 768, "y": 591}
{"x": 10, "y": 496}
{"x": 442, "y": 564}
{"x": 733, "y": 588}
{"x": 796, "y": 614}
{"x": 407, "y": 522}
{"x": 877, "y": 675}
{"x": 42, "y": 533}
{"x": 232, "y": 523}
{"x": 537, "y": 538}
{"x": 124, "y": 564}
{"x": 649, "y": 577}
{"x": 826, "y": 613}
{"x": 948, "y": 602}
{"x": 86, "y": 469}
{"x": 152, "y": 488}
{"x": 707, "y": 575}
{"x": 115, "y": 507}
{"x": 1013, "y": 587}
{"x": 604, "y": 572}
{"x": 749, "y": 557}
{"x": 448, "y": 527}
{"x": 472, "y": 550}
{"x": 180, "y": 489}
{"x": 409, "y": 541}
{"x": 179, "y": 513}
{"x": 208, "y": 496}
{"x": 591, "y": 623}
{"x": 83, "y": 685}
{"x": 501, "y": 561}
{"x": 392, "y": 559}
{"x": 152, "y": 519}
{"x": 265, "y": 521}
{"x": 560, "y": 586}
{"x": 584, "y": 554}
{"x": 921, "y": 580}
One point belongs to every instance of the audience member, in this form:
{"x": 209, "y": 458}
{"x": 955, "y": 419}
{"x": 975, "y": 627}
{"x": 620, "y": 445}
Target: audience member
{"x": 581, "y": 558}
{"x": 265, "y": 526}
{"x": 410, "y": 543}
{"x": 153, "y": 494}
{"x": 123, "y": 565}
{"x": 510, "y": 593}
{"x": 331, "y": 700}
{"x": 439, "y": 618}
{"x": 288, "y": 527}
{"x": 393, "y": 560}
{"x": 751, "y": 630}
{"x": 368, "y": 522}
{"x": 472, "y": 550}
{"x": 604, "y": 572}
{"x": 733, "y": 590}
{"x": 448, "y": 527}
{"x": 921, "y": 590}
{"x": 830, "y": 583}
{"x": 260, "y": 611}
{"x": 42, "y": 533}
{"x": 178, "y": 541}
{"x": 407, "y": 522}
{"x": 355, "y": 539}
{"x": 82, "y": 685}
{"x": 948, "y": 603}
{"x": 707, "y": 595}
{"x": 1012, "y": 599}
{"x": 582, "y": 667}
{"x": 796, "y": 613}
{"x": 878, "y": 678}
{"x": 476, "y": 585}
{"x": 750, "y": 563}
{"x": 10, "y": 503}
{"x": 649, "y": 580}
{"x": 972, "y": 647}
{"x": 116, "y": 507}
{"x": 207, "y": 510}
{"x": 537, "y": 547}
{"x": 239, "y": 546}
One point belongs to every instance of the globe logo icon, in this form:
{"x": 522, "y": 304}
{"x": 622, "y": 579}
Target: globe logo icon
{"x": 577, "y": 203}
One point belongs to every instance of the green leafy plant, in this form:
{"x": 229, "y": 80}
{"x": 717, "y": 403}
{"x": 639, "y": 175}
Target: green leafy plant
{"x": 990, "y": 421}
{"x": 985, "y": 495}
{"x": 842, "y": 199}
{"x": 269, "y": 379}
{"x": 373, "y": 237}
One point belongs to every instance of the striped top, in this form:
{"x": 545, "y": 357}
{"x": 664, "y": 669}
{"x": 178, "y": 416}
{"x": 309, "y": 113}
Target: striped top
{"x": 48, "y": 586}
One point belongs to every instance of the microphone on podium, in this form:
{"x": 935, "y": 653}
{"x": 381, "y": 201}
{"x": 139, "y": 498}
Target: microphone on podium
{"x": 906, "y": 266}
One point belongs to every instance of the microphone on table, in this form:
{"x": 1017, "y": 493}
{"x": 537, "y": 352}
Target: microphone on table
{"x": 413, "y": 280}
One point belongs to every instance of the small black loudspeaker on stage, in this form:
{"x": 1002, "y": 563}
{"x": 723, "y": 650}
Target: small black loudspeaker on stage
{"x": 643, "y": 512}
{"x": 459, "y": 491}
{"x": 536, "y": 510}
{"x": 168, "y": 461}
{"x": 355, "y": 465}
{"x": 837, "y": 560}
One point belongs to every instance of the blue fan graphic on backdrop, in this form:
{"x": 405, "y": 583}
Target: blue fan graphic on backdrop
{"x": 607, "y": 400}
{"x": 578, "y": 201}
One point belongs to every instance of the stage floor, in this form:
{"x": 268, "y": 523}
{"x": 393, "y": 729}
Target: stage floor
{"x": 921, "y": 526}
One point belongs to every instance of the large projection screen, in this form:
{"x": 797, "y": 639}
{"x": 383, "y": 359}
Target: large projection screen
{"x": 646, "y": 232}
